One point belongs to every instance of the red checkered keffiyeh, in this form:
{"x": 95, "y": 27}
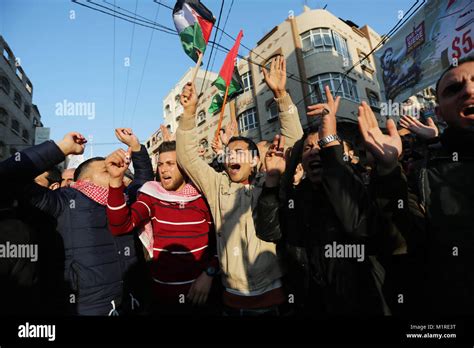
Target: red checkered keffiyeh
{"x": 98, "y": 194}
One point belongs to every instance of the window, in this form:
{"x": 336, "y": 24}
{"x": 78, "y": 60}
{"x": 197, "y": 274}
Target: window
{"x": 272, "y": 109}
{"x": 248, "y": 120}
{"x": 3, "y": 149}
{"x": 346, "y": 88}
{"x": 373, "y": 99}
{"x": 27, "y": 111}
{"x": 148, "y": 144}
{"x": 341, "y": 45}
{"x": 167, "y": 110}
{"x": 16, "y": 126}
{"x": 19, "y": 73}
{"x": 321, "y": 39}
{"x": 25, "y": 135}
{"x": 201, "y": 117}
{"x": 247, "y": 81}
{"x": 17, "y": 99}
{"x": 365, "y": 62}
{"x": 6, "y": 54}
{"x": 3, "y": 116}
{"x": 5, "y": 84}
{"x": 29, "y": 88}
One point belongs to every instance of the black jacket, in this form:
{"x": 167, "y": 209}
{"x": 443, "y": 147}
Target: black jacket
{"x": 95, "y": 263}
{"x": 309, "y": 220}
{"x": 445, "y": 188}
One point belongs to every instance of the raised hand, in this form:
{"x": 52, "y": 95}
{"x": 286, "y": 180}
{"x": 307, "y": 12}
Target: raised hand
{"x": 166, "y": 133}
{"x": 385, "y": 148}
{"x": 298, "y": 176}
{"x": 117, "y": 164}
{"x": 73, "y": 143}
{"x": 424, "y": 131}
{"x": 229, "y": 131}
{"x": 189, "y": 99}
{"x": 126, "y": 136}
{"x": 216, "y": 146}
{"x": 328, "y": 113}
{"x": 276, "y": 78}
{"x": 275, "y": 162}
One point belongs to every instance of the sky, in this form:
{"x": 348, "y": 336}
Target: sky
{"x": 70, "y": 55}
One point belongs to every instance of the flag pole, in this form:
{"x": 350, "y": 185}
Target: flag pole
{"x": 221, "y": 117}
{"x": 196, "y": 69}
{"x": 198, "y": 65}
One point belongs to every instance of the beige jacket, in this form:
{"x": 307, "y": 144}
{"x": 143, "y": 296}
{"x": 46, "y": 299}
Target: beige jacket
{"x": 247, "y": 262}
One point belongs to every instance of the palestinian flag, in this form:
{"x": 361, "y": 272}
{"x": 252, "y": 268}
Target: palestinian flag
{"x": 194, "y": 23}
{"x": 228, "y": 76}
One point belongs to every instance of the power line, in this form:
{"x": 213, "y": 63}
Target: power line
{"x": 220, "y": 38}
{"x": 224, "y": 49}
{"x": 129, "y": 68}
{"x": 125, "y": 19}
{"x": 161, "y": 4}
{"x": 249, "y": 49}
{"x": 138, "y": 22}
{"x": 145, "y": 20}
{"x": 212, "y": 46}
{"x": 143, "y": 70}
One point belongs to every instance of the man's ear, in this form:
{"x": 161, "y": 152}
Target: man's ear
{"x": 54, "y": 186}
{"x": 255, "y": 161}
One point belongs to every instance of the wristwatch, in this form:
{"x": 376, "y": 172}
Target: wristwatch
{"x": 326, "y": 140}
{"x": 211, "y": 271}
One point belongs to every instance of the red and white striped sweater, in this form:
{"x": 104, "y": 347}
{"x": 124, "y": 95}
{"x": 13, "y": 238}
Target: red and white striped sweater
{"x": 184, "y": 240}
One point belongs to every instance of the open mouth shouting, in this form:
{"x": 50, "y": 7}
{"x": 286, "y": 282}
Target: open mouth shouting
{"x": 468, "y": 111}
{"x": 234, "y": 168}
{"x": 315, "y": 166}
{"x": 166, "y": 179}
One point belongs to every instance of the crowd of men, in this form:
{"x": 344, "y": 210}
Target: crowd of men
{"x": 302, "y": 225}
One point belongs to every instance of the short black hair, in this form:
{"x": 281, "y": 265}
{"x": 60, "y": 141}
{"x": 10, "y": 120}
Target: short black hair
{"x": 53, "y": 176}
{"x": 451, "y": 67}
{"x": 251, "y": 144}
{"x": 167, "y": 146}
{"x": 84, "y": 165}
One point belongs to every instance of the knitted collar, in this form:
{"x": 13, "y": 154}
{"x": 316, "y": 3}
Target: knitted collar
{"x": 98, "y": 194}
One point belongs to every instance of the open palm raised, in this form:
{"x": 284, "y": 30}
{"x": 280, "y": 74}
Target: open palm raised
{"x": 385, "y": 148}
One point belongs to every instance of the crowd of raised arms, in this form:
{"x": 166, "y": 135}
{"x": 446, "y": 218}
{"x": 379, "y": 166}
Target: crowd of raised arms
{"x": 305, "y": 224}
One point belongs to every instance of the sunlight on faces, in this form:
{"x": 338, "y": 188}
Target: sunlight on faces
{"x": 311, "y": 159}
{"x": 239, "y": 162}
{"x": 456, "y": 97}
{"x": 171, "y": 177}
